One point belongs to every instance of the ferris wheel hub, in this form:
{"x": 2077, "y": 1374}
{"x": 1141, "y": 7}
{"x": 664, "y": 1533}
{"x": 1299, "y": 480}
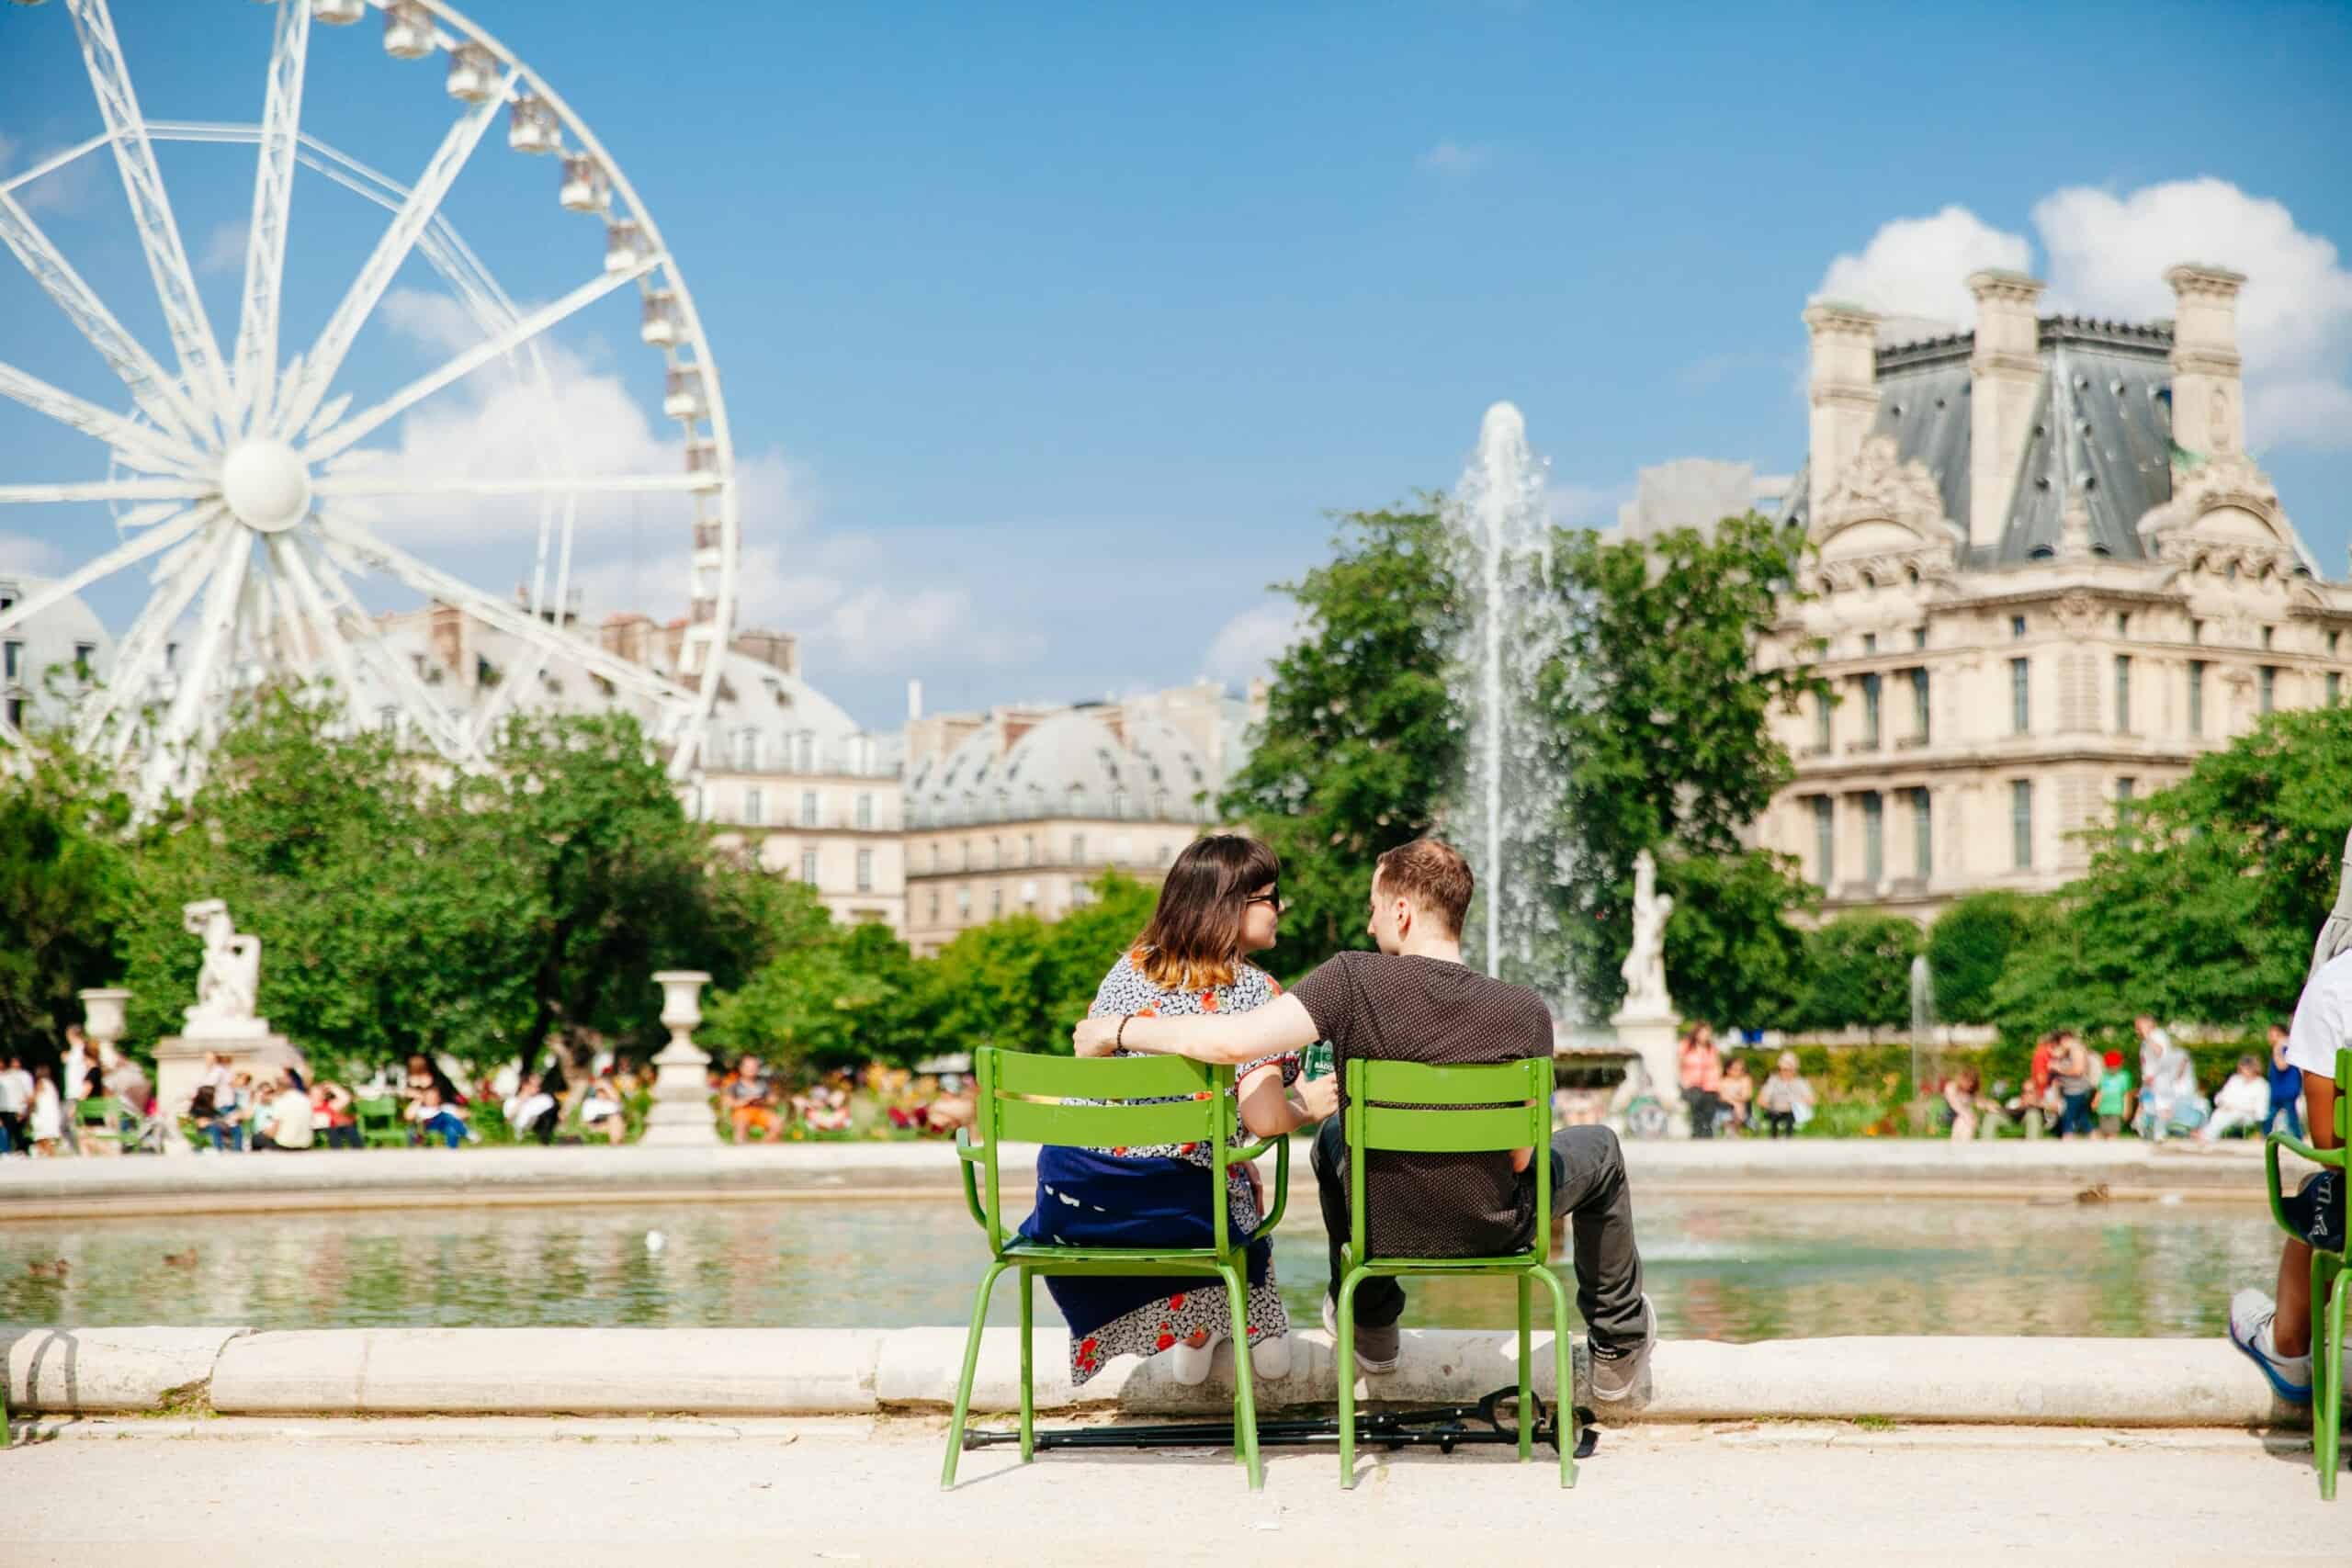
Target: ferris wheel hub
{"x": 266, "y": 485}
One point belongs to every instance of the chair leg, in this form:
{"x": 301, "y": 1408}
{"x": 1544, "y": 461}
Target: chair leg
{"x": 1245, "y": 1399}
{"x": 1526, "y": 1381}
{"x": 1564, "y": 1394}
{"x": 1344, "y": 1364}
{"x": 1028, "y": 1371}
{"x": 971, "y": 1364}
{"x": 2330, "y": 1451}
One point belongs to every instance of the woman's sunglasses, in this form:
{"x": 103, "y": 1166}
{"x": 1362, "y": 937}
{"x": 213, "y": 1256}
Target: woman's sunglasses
{"x": 1273, "y": 900}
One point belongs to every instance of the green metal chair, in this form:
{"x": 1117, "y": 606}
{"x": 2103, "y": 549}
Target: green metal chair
{"x": 380, "y": 1123}
{"x": 2327, "y": 1302}
{"x": 1409, "y": 1107}
{"x": 1117, "y": 1103}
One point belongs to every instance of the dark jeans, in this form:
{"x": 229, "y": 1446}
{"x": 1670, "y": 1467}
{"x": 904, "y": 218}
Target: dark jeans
{"x": 1780, "y": 1124}
{"x": 1588, "y": 1191}
{"x": 2287, "y": 1109}
{"x": 345, "y": 1137}
{"x": 12, "y": 1132}
{"x": 2074, "y": 1122}
{"x": 1704, "y": 1103}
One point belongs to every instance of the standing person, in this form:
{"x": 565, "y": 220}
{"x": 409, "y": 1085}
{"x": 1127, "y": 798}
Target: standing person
{"x": 1703, "y": 1079}
{"x": 2243, "y": 1100}
{"x": 1783, "y": 1096}
{"x": 2169, "y": 1103}
{"x": 2285, "y": 1088}
{"x": 1221, "y": 902}
{"x": 1965, "y": 1101}
{"x": 2113, "y": 1101}
{"x": 15, "y": 1105}
{"x": 77, "y": 1074}
{"x": 46, "y": 1122}
{"x": 2076, "y": 1076}
{"x": 1415, "y": 1001}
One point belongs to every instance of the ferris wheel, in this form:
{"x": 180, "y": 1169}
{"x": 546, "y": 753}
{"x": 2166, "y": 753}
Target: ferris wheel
{"x": 242, "y": 483}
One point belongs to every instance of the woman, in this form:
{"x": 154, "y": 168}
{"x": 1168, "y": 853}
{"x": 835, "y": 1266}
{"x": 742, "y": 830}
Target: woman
{"x": 1784, "y": 1096}
{"x": 1703, "y": 1079}
{"x": 1218, "y": 903}
{"x": 47, "y": 1121}
{"x": 1738, "y": 1093}
{"x": 1963, "y": 1102}
{"x": 2071, "y": 1065}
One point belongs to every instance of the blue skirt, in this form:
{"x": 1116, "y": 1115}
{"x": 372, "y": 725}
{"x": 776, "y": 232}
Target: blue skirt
{"x": 1089, "y": 1198}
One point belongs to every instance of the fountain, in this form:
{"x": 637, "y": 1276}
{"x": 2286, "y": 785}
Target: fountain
{"x": 1505, "y": 810}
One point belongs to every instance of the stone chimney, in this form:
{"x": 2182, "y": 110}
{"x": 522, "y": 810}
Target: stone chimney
{"x": 1843, "y": 390}
{"x": 2207, "y": 403}
{"x": 2004, "y": 374}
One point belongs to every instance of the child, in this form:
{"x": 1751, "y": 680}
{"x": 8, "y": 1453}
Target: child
{"x": 2114, "y": 1095}
{"x": 1738, "y": 1093}
{"x": 433, "y": 1119}
{"x": 2243, "y": 1100}
{"x": 1785, "y": 1098}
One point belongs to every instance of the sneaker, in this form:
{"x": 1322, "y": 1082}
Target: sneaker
{"x": 2251, "y": 1312}
{"x": 1622, "y": 1378}
{"x": 1271, "y": 1357}
{"x": 1189, "y": 1363}
{"x": 1377, "y": 1349}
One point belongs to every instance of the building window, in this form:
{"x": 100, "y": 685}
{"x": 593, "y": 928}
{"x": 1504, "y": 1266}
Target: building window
{"x": 1028, "y": 848}
{"x": 2122, "y": 623}
{"x": 1029, "y": 890}
{"x": 996, "y": 853}
{"x": 1821, "y": 723}
{"x": 1118, "y": 804}
{"x": 808, "y": 809}
{"x": 2268, "y": 686}
{"x": 865, "y": 811}
{"x": 966, "y": 854}
{"x": 934, "y": 905}
{"x": 808, "y": 748}
{"x": 996, "y": 903}
{"x": 15, "y": 668}
{"x": 808, "y": 867}
{"x": 2195, "y": 696}
{"x": 16, "y": 713}
{"x": 1869, "y": 711}
{"x": 86, "y": 652}
{"x": 934, "y": 855}
{"x": 754, "y": 807}
{"x": 1825, "y": 839}
{"x": 865, "y": 871}
{"x": 2017, "y": 626}
{"x": 2334, "y": 687}
{"x": 2022, "y": 824}
{"x": 1873, "y": 837}
{"x": 1870, "y": 642}
{"x": 1078, "y": 848}
{"x": 2020, "y": 696}
{"x": 2124, "y": 790}
{"x": 1919, "y": 704}
{"x": 2331, "y": 643}
{"x": 1123, "y": 849}
{"x": 2197, "y": 631}
{"x": 962, "y": 906}
{"x": 2267, "y": 632}
{"x": 1923, "y": 835}
{"x": 2123, "y": 694}
{"x": 1918, "y": 637}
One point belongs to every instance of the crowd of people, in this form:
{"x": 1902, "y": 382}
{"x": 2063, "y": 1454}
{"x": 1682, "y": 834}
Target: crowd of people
{"x": 1724, "y": 1098}
{"x": 762, "y": 1106}
{"x": 2075, "y": 1092}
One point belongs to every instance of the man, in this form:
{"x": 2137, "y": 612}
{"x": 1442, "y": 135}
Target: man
{"x": 285, "y": 1120}
{"x": 2279, "y": 1336}
{"x": 1416, "y": 1001}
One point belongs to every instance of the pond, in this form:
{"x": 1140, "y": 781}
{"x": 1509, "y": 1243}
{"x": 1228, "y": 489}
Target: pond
{"x": 1738, "y": 1269}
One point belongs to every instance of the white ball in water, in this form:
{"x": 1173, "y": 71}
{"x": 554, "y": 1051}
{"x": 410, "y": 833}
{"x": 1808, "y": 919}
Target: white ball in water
{"x": 655, "y": 1241}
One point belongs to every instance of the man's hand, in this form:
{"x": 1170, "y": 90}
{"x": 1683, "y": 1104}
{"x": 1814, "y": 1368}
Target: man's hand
{"x": 1319, "y": 1097}
{"x": 1095, "y": 1036}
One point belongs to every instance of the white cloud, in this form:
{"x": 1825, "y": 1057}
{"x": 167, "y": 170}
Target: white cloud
{"x": 1247, "y": 646}
{"x": 224, "y": 248}
{"x": 1455, "y": 158}
{"x": 60, "y": 190}
{"x": 34, "y": 558}
{"x": 1919, "y": 266}
{"x": 2109, "y": 254}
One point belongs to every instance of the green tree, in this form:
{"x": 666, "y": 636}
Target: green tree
{"x": 66, "y": 878}
{"x": 1731, "y": 955}
{"x": 826, "y": 996}
{"x": 1859, "y": 973}
{"x": 1968, "y": 951}
{"x": 1081, "y": 946}
{"x": 1360, "y": 742}
{"x": 1660, "y": 716}
{"x": 2204, "y": 905}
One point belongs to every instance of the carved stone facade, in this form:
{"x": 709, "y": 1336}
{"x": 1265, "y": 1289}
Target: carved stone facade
{"x": 2011, "y": 668}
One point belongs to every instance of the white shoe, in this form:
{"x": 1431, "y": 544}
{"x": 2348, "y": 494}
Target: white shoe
{"x": 2251, "y": 1314}
{"x": 1189, "y": 1363}
{"x": 1271, "y": 1357}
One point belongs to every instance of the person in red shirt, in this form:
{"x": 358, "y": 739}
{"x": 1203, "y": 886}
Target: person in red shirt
{"x": 1703, "y": 1079}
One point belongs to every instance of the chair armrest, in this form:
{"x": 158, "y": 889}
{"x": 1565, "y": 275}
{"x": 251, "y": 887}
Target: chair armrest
{"x": 967, "y": 1158}
{"x": 1280, "y": 1143}
{"x": 2274, "y": 1191}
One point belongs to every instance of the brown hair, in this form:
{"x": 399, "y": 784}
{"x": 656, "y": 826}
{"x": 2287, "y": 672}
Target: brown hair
{"x": 1194, "y": 935}
{"x": 1432, "y": 874}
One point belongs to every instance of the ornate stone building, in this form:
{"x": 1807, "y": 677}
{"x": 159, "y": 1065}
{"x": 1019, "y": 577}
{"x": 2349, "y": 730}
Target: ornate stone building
{"x": 2048, "y": 578}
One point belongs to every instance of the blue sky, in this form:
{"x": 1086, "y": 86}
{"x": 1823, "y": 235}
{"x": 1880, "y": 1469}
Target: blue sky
{"x": 1051, "y": 334}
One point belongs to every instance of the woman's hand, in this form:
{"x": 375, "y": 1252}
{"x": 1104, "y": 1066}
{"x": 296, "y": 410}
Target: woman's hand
{"x": 1095, "y": 1036}
{"x": 1319, "y": 1099}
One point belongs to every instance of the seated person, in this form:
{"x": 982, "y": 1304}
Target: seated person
{"x": 1785, "y": 1098}
{"x": 532, "y": 1112}
{"x": 435, "y": 1120}
{"x": 1738, "y": 1093}
{"x": 2240, "y": 1104}
{"x": 2278, "y": 1334}
{"x": 751, "y": 1105}
{"x": 601, "y": 1109}
{"x": 1965, "y": 1104}
{"x": 2169, "y": 1103}
{"x": 285, "y": 1118}
{"x": 331, "y": 1114}
{"x": 1415, "y": 1001}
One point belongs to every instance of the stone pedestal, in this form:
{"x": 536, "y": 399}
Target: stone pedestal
{"x": 683, "y": 1115}
{"x": 1655, "y": 1040}
{"x": 250, "y": 1046}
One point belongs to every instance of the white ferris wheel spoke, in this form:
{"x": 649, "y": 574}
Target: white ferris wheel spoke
{"x": 177, "y": 578}
{"x": 138, "y": 445}
{"x": 365, "y": 638}
{"x": 462, "y": 595}
{"x": 128, "y": 554}
{"x": 151, "y": 207}
{"x": 55, "y": 161}
{"x": 307, "y": 593}
{"x": 368, "y": 484}
{"x": 325, "y": 356}
{"x": 355, "y": 427}
{"x": 151, "y": 388}
{"x": 165, "y": 762}
{"x": 110, "y": 490}
{"x": 257, "y": 362}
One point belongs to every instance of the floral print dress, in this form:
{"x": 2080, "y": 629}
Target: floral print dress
{"x": 1199, "y": 1310}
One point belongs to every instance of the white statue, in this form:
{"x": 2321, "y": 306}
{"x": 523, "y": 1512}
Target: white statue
{"x": 1644, "y": 965}
{"x": 228, "y": 987}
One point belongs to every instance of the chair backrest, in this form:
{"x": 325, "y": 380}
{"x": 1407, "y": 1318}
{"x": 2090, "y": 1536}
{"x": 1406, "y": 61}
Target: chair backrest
{"x": 1097, "y": 1103}
{"x": 1409, "y": 1107}
{"x": 96, "y": 1113}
